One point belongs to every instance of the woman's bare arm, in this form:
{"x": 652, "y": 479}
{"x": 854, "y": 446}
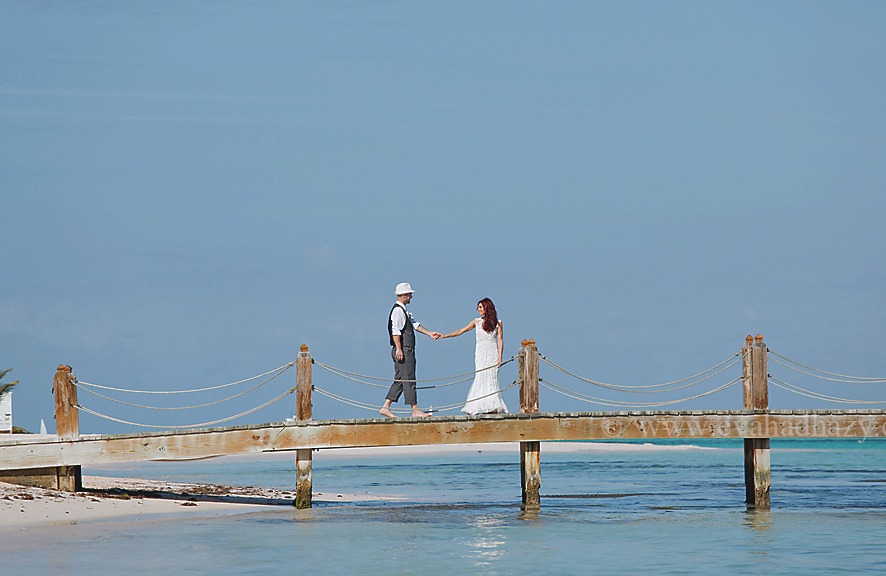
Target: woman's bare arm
{"x": 461, "y": 331}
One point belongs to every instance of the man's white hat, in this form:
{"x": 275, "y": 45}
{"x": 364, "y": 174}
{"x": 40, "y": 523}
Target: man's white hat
{"x": 403, "y": 288}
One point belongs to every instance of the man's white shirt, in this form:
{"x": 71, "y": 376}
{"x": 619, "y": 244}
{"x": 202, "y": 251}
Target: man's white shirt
{"x": 398, "y": 319}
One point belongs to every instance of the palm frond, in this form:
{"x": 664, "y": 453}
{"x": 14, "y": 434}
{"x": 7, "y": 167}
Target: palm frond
{"x": 6, "y": 386}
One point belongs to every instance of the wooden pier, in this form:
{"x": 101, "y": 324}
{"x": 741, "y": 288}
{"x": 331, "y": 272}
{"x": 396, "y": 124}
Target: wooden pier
{"x": 58, "y": 460}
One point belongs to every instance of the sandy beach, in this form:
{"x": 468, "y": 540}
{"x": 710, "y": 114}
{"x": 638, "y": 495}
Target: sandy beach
{"x": 106, "y": 497}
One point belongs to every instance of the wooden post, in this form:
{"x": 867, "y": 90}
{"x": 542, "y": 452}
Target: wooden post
{"x": 67, "y": 425}
{"x": 303, "y": 411}
{"x": 530, "y": 452}
{"x": 756, "y": 397}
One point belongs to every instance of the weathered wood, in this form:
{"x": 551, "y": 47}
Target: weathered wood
{"x": 747, "y": 395}
{"x": 530, "y": 452}
{"x": 70, "y": 478}
{"x": 528, "y": 367}
{"x": 67, "y": 425}
{"x": 541, "y": 427}
{"x": 757, "y": 479}
{"x": 304, "y": 384}
{"x": 303, "y": 412}
{"x": 756, "y": 397}
{"x": 67, "y": 422}
{"x": 759, "y": 376}
{"x": 530, "y": 474}
{"x": 54, "y": 478}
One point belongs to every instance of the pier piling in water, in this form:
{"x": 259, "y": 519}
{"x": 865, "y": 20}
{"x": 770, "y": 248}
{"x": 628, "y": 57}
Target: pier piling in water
{"x": 303, "y": 411}
{"x": 56, "y": 462}
{"x": 530, "y": 452}
{"x": 756, "y": 397}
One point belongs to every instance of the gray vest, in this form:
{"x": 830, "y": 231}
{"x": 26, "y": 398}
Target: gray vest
{"x": 407, "y": 335}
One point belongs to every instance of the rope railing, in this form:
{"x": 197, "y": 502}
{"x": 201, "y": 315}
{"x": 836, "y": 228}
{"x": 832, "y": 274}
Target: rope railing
{"x": 87, "y": 388}
{"x": 616, "y": 403}
{"x": 268, "y": 376}
{"x": 704, "y": 376}
{"x": 374, "y": 407}
{"x": 346, "y": 376}
{"x": 362, "y": 378}
{"x": 817, "y": 395}
{"x": 365, "y": 380}
{"x": 184, "y": 426}
{"x": 99, "y": 386}
{"x": 648, "y": 389}
{"x": 822, "y": 374}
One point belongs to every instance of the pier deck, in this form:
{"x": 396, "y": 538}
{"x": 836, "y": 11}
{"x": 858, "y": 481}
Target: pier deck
{"x": 539, "y": 427}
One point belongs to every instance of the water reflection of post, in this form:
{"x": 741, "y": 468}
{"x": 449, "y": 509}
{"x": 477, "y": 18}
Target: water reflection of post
{"x": 758, "y": 520}
{"x": 530, "y": 452}
{"x": 529, "y": 514}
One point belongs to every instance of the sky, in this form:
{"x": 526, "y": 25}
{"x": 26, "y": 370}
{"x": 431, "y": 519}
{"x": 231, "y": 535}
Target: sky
{"x": 190, "y": 191}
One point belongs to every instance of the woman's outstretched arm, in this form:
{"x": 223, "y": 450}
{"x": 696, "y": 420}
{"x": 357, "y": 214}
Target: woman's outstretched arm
{"x": 461, "y": 331}
{"x": 501, "y": 342}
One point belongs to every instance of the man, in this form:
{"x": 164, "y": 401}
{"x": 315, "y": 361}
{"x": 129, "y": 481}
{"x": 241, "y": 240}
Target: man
{"x": 401, "y": 334}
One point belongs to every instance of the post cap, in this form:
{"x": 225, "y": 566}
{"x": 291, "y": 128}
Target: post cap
{"x": 749, "y": 339}
{"x": 303, "y": 348}
{"x": 759, "y": 338}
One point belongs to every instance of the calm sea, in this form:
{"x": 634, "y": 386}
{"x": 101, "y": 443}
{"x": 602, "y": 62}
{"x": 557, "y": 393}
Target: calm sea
{"x": 668, "y": 509}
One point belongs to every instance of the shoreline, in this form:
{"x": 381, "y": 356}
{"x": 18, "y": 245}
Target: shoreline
{"x": 108, "y": 497}
{"x": 111, "y": 498}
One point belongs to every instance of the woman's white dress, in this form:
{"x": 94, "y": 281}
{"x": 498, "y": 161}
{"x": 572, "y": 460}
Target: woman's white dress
{"x": 484, "y": 396}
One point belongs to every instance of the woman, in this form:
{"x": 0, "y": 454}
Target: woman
{"x": 484, "y": 396}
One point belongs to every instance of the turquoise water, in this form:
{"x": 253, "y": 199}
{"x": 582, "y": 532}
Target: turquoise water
{"x": 664, "y": 510}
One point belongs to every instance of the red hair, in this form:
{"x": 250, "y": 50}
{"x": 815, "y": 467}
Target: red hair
{"x": 490, "y": 318}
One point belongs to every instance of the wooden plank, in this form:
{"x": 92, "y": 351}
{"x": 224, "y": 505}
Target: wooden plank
{"x": 437, "y": 430}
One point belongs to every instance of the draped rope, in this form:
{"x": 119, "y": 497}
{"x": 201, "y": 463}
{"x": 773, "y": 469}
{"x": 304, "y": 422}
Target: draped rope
{"x": 361, "y": 378}
{"x": 359, "y": 381}
{"x": 200, "y": 425}
{"x": 374, "y": 407}
{"x": 85, "y": 387}
{"x": 615, "y": 403}
{"x": 726, "y": 364}
{"x": 288, "y": 365}
{"x": 817, "y": 395}
{"x": 822, "y": 374}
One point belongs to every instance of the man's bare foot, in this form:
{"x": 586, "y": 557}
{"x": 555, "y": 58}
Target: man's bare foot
{"x": 416, "y": 413}
{"x": 386, "y": 412}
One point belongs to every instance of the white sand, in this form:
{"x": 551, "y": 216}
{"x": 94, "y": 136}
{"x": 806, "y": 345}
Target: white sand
{"x": 106, "y": 498}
